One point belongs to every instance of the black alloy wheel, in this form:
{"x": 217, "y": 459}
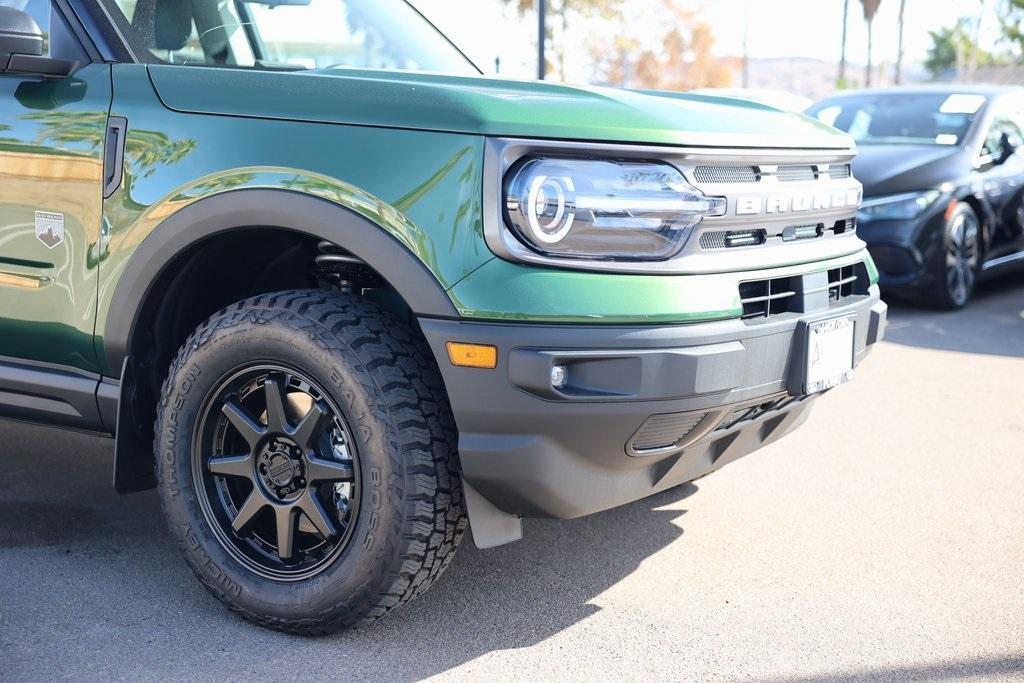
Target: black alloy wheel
{"x": 307, "y": 462}
{"x": 276, "y": 472}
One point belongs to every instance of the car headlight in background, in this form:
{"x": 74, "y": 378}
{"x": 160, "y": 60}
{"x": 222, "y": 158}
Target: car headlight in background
{"x": 897, "y": 207}
{"x": 596, "y": 209}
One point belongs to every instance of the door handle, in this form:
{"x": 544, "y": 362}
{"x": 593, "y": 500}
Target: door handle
{"x": 113, "y": 154}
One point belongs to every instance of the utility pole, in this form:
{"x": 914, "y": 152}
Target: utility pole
{"x": 746, "y": 51}
{"x": 541, "y": 37}
{"x": 899, "y": 48}
{"x": 842, "y": 49}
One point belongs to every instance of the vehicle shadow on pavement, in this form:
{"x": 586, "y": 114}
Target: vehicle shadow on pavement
{"x": 992, "y": 323}
{"x": 992, "y": 667}
{"x": 101, "y": 571}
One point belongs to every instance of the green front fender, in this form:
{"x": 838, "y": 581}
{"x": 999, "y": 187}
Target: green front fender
{"x": 421, "y": 189}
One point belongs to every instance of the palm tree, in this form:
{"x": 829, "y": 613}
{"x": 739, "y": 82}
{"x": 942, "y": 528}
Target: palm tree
{"x": 841, "y": 81}
{"x": 899, "y": 45}
{"x": 870, "y": 9}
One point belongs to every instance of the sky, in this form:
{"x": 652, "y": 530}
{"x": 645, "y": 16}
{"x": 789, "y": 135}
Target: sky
{"x": 486, "y": 29}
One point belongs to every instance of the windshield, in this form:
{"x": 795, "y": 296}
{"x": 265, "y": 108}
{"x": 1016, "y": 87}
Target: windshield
{"x": 907, "y": 118}
{"x": 287, "y": 34}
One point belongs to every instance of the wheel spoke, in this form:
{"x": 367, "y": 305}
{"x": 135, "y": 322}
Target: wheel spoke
{"x": 321, "y": 469}
{"x": 311, "y": 507}
{"x": 277, "y": 418}
{"x": 250, "y": 430}
{"x": 253, "y": 504}
{"x": 312, "y": 425}
{"x": 231, "y": 465}
{"x": 286, "y": 521}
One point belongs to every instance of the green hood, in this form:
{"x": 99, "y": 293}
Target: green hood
{"x": 493, "y": 107}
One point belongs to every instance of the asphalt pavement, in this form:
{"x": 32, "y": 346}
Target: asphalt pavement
{"x": 883, "y": 540}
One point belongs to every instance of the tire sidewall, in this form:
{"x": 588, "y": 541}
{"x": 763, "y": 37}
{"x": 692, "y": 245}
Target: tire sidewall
{"x": 361, "y": 569}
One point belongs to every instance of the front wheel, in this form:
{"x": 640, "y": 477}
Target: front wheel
{"x": 956, "y": 266}
{"x": 306, "y": 461}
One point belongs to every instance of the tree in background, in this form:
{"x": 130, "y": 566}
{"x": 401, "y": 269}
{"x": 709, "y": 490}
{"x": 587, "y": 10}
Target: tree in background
{"x": 899, "y": 45}
{"x": 1011, "y": 24}
{"x": 953, "y": 47}
{"x": 679, "y": 59}
{"x": 841, "y": 79}
{"x": 870, "y": 10}
{"x": 563, "y": 11}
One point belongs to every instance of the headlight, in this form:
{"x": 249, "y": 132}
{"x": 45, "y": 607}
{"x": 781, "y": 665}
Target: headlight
{"x": 587, "y": 208}
{"x": 898, "y": 207}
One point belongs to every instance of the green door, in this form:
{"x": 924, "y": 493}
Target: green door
{"x": 51, "y": 168}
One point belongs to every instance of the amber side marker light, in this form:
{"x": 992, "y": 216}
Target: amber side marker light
{"x": 473, "y": 355}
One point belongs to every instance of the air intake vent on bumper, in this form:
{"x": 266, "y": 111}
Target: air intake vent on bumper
{"x": 664, "y": 431}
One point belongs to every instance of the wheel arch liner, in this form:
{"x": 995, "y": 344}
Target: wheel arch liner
{"x": 268, "y": 208}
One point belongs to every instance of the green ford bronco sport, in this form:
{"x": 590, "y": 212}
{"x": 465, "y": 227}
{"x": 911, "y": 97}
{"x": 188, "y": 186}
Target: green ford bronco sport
{"x": 334, "y": 293}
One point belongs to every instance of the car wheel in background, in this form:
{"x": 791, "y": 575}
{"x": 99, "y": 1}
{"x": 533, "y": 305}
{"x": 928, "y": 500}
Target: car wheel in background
{"x": 956, "y": 265}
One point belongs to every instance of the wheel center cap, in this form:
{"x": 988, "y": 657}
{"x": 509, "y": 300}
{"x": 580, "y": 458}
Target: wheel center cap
{"x": 281, "y": 469}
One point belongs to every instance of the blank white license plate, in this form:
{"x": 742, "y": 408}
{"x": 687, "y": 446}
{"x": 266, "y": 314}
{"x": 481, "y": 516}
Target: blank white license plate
{"x": 829, "y": 354}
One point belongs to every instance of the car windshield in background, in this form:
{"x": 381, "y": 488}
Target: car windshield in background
{"x": 288, "y": 34}
{"x": 901, "y": 118}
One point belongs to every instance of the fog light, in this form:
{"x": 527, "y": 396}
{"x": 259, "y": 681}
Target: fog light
{"x": 559, "y": 376}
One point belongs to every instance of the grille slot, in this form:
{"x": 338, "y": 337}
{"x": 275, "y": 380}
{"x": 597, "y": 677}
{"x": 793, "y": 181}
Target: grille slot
{"x": 764, "y": 298}
{"x": 723, "y": 239}
{"x": 846, "y": 282}
{"x": 839, "y": 171}
{"x": 789, "y": 174}
{"x": 725, "y": 174}
{"x": 802, "y": 232}
{"x": 845, "y": 225}
{"x": 664, "y": 431}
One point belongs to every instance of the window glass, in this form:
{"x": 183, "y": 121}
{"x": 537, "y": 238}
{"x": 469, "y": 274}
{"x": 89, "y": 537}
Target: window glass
{"x": 287, "y": 34}
{"x": 40, "y": 11}
{"x": 993, "y": 145}
{"x": 925, "y": 118}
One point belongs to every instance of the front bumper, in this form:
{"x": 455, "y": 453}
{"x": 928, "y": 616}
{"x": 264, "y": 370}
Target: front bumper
{"x": 725, "y": 388}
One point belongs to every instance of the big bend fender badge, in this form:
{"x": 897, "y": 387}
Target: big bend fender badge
{"x": 50, "y": 228}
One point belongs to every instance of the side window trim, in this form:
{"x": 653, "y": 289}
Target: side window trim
{"x": 99, "y": 31}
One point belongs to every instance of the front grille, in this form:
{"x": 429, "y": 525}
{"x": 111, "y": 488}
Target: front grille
{"x": 664, "y": 431}
{"x": 802, "y": 293}
{"x": 787, "y": 174}
{"x": 839, "y": 171}
{"x": 764, "y": 298}
{"x": 725, "y": 174}
{"x": 723, "y": 239}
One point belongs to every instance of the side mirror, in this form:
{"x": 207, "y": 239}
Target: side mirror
{"x": 1008, "y": 146}
{"x": 21, "y": 48}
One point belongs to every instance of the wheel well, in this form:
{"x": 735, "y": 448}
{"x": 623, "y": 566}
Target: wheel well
{"x": 979, "y": 211}
{"x": 205, "y": 278}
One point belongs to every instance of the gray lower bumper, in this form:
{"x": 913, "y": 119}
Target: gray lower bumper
{"x": 728, "y": 387}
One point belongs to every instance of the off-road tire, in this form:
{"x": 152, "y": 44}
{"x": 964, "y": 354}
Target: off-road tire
{"x": 381, "y": 374}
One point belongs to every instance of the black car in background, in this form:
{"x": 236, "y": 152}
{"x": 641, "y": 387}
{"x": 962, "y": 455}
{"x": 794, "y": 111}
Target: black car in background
{"x": 943, "y": 175}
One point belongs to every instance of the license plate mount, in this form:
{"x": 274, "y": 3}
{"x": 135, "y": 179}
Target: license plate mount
{"x": 828, "y": 354}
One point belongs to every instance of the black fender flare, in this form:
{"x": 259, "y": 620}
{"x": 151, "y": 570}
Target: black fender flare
{"x": 268, "y": 208}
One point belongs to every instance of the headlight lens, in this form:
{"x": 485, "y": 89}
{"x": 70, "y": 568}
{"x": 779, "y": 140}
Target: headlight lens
{"x": 900, "y": 207}
{"x": 595, "y": 209}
